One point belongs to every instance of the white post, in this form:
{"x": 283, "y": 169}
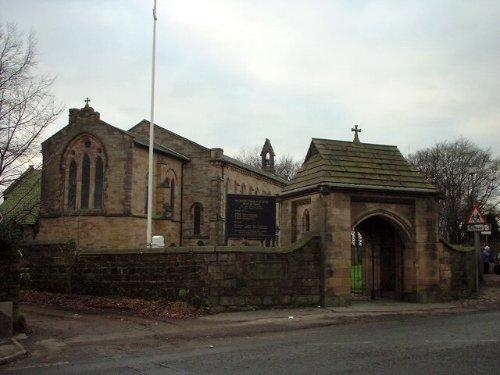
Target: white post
{"x": 151, "y": 138}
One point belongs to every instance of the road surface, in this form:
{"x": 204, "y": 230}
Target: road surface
{"x": 446, "y": 344}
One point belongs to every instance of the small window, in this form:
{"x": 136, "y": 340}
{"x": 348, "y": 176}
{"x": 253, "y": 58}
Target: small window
{"x": 306, "y": 221}
{"x": 172, "y": 194}
{"x": 197, "y": 211}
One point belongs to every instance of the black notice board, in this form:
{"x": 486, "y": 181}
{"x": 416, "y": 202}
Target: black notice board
{"x": 250, "y": 216}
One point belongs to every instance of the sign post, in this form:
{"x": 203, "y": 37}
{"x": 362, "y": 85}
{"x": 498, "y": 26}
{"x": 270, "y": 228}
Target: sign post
{"x": 477, "y": 224}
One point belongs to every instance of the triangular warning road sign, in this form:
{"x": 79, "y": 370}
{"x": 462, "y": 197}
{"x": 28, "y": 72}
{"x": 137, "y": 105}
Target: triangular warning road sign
{"x": 476, "y": 217}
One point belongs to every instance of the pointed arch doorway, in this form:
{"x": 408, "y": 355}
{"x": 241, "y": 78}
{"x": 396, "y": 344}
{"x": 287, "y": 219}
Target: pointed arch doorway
{"x": 378, "y": 258}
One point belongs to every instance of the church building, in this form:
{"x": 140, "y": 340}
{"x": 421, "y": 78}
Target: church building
{"x": 94, "y": 185}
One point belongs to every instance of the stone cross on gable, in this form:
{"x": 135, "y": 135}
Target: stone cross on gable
{"x": 356, "y": 130}
{"x": 87, "y": 102}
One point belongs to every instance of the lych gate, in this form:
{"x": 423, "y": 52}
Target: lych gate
{"x": 377, "y": 218}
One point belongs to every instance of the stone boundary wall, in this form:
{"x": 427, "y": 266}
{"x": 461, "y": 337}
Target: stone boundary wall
{"x": 457, "y": 268}
{"x": 48, "y": 266}
{"x": 216, "y": 276}
{"x": 9, "y": 288}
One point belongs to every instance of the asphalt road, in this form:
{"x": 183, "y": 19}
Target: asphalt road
{"x": 452, "y": 344}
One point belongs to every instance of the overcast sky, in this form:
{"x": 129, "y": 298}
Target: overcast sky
{"x": 231, "y": 73}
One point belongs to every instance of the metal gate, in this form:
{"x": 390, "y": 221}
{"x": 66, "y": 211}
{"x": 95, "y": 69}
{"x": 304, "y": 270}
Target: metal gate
{"x": 376, "y": 270}
{"x": 361, "y": 265}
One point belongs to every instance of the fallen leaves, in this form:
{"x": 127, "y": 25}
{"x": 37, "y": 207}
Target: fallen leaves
{"x": 162, "y": 309}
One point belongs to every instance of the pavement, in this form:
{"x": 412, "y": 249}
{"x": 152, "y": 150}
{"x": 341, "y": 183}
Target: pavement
{"x": 60, "y": 336}
{"x": 11, "y": 350}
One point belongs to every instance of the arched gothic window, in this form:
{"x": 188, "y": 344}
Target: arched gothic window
{"x": 166, "y": 191}
{"x": 306, "y": 221}
{"x": 84, "y": 164}
{"x": 72, "y": 185}
{"x": 172, "y": 194}
{"x": 99, "y": 182}
{"x": 197, "y": 212}
{"x": 84, "y": 195}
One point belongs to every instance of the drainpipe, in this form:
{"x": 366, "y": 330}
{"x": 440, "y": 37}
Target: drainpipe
{"x": 224, "y": 197}
{"x": 182, "y": 204}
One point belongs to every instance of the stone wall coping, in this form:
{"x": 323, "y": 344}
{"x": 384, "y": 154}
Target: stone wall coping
{"x": 207, "y": 249}
{"x": 46, "y": 243}
{"x": 459, "y": 248}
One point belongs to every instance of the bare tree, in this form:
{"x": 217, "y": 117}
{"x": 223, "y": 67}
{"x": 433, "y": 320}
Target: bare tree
{"x": 27, "y": 106}
{"x": 465, "y": 174}
{"x": 285, "y": 166}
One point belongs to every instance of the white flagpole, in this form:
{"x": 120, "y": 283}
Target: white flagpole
{"x": 151, "y": 138}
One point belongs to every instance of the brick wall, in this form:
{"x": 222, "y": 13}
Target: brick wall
{"x": 219, "y": 277}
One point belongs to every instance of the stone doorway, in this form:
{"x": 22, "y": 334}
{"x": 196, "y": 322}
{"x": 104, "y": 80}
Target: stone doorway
{"x": 378, "y": 259}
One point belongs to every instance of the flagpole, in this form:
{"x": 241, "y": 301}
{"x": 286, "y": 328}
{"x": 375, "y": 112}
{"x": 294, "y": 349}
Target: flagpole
{"x": 151, "y": 138}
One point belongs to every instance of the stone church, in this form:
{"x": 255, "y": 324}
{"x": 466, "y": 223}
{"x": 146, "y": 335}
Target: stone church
{"x": 375, "y": 215}
{"x": 94, "y": 185}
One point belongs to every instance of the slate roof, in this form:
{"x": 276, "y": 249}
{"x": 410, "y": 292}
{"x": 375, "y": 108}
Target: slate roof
{"x": 22, "y": 198}
{"x": 341, "y": 164}
{"x": 248, "y": 167}
{"x": 144, "y": 142}
{"x": 226, "y": 158}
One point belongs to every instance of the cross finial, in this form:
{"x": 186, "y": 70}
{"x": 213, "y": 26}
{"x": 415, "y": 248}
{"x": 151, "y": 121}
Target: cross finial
{"x": 356, "y": 130}
{"x": 87, "y": 102}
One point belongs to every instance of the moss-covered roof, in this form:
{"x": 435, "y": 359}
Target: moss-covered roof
{"x": 22, "y": 199}
{"x": 341, "y": 164}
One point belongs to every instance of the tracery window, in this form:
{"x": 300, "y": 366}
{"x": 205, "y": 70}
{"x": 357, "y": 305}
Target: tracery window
{"x": 84, "y": 165}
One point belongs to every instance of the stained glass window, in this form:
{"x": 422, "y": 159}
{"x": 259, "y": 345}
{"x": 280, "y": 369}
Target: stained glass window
{"x": 85, "y": 182}
{"x": 99, "y": 182}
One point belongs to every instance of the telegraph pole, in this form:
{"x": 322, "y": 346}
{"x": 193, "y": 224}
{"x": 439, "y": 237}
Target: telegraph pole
{"x": 476, "y": 223}
{"x": 151, "y": 137}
